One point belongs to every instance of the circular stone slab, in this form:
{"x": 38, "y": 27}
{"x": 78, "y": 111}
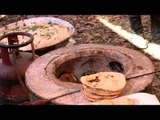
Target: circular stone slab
{"x": 42, "y": 76}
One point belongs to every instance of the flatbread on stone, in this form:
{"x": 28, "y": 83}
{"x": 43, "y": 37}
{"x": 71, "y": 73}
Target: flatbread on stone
{"x": 124, "y": 101}
{"x": 109, "y": 81}
{"x": 95, "y": 97}
{"x": 99, "y": 91}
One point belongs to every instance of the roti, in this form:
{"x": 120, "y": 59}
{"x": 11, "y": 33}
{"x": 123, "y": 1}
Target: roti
{"x": 68, "y": 77}
{"x": 124, "y": 101}
{"x": 95, "y": 97}
{"x": 108, "y": 81}
{"x": 100, "y": 92}
{"x": 101, "y": 102}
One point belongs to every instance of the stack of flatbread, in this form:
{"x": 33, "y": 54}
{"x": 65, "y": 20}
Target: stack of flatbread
{"x": 117, "y": 101}
{"x": 103, "y": 85}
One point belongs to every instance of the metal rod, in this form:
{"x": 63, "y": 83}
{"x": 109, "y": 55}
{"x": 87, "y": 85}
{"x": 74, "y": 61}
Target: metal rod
{"x": 33, "y": 51}
{"x": 19, "y": 77}
{"x": 142, "y": 75}
{"x": 64, "y": 95}
{"x": 45, "y": 101}
{"x": 5, "y": 56}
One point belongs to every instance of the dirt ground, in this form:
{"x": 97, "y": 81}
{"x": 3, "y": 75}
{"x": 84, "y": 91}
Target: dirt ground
{"x": 89, "y": 30}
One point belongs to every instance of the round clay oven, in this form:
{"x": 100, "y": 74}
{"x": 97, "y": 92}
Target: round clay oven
{"x": 42, "y": 76}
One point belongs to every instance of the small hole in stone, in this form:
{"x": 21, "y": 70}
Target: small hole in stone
{"x": 116, "y": 67}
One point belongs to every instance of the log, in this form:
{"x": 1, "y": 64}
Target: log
{"x": 150, "y": 48}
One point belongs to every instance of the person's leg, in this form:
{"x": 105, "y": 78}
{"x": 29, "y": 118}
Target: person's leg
{"x": 155, "y": 28}
{"x": 135, "y": 23}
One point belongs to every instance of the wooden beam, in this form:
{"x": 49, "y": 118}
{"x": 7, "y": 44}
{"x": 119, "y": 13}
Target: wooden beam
{"x": 148, "y": 47}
